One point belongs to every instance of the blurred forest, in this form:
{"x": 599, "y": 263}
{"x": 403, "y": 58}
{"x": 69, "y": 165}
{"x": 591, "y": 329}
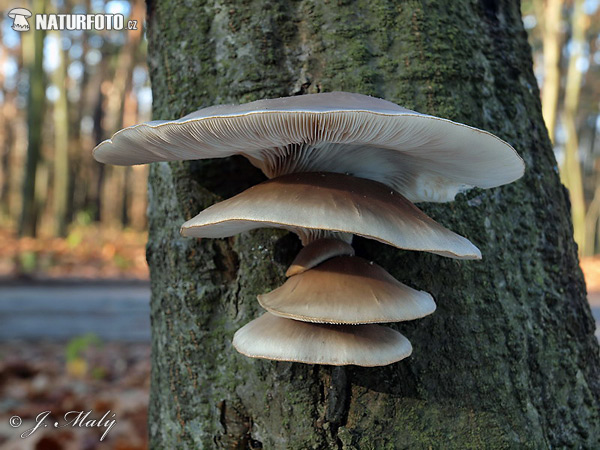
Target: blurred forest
{"x": 565, "y": 39}
{"x": 62, "y": 92}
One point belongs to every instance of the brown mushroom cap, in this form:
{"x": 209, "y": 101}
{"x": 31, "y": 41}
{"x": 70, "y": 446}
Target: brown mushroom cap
{"x": 317, "y": 252}
{"x": 276, "y": 338}
{"x": 303, "y": 202}
{"x": 347, "y": 290}
{"x": 423, "y": 157}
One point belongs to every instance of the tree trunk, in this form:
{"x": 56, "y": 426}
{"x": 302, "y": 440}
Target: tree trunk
{"x": 61, "y": 168}
{"x": 509, "y": 359}
{"x": 571, "y": 169}
{"x": 33, "y": 55}
{"x": 552, "y": 36}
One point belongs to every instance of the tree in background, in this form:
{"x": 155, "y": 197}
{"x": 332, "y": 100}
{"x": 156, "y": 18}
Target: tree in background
{"x": 569, "y": 36}
{"x": 62, "y": 174}
{"x": 509, "y": 359}
{"x": 571, "y": 169}
{"x": 33, "y": 55}
{"x": 549, "y": 14}
{"x": 63, "y": 81}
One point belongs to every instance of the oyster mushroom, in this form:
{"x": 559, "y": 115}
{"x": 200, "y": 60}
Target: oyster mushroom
{"x": 340, "y": 164}
{"x": 348, "y": 290}
{"x": 316, "y": 252}
{"x": 310, "y": 203}
{"x": 424, "y": 158}
{"x": 280, "y": 339}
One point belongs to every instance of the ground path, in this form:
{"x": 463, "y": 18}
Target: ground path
{"x": 114, "y": 311}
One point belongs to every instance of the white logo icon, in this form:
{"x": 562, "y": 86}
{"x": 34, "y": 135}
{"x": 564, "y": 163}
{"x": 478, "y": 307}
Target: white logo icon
{"x": 19, "y": 16}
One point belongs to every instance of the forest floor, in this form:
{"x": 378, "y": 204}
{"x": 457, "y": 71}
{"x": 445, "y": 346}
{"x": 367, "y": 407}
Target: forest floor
{"x": 68, "y": 378}
{"x": 88, "y": 252}
{"x": 74, "y": 336}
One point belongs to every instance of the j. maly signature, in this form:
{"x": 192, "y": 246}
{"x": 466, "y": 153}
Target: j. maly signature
{"x": 74, "y": 419}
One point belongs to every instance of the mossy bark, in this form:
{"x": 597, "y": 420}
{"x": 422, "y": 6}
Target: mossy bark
{"x": 509, "y": 359}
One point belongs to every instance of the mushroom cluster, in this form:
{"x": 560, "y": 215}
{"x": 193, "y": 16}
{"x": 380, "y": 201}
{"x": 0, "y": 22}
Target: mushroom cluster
{"x": 339, "y": 164}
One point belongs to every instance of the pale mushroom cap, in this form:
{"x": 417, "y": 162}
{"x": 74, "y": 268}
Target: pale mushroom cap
{"x": 334, "y": 202}
{"x": 347, "y": 290}
{"x": 276, "y": 338}
{"x": 423, "y": 157}
{"x": 19, "y": 12}
{"x": 317, "y": 252}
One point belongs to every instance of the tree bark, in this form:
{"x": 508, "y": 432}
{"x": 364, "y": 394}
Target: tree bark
{"x": 509, "y": 359}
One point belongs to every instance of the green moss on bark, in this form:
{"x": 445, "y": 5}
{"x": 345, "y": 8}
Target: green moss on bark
{"x": 509, "y": 359}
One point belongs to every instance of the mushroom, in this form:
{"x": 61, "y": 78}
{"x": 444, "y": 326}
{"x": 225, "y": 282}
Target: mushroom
{"x": 347, "y": 290}
{"x": 309, "y": 203}
{"x": 317, "y": 252}
{"x": 280, "y": 339}
{"x": 340, "y": 164}
{"x": 19, "y": 16}
{"x": 425, "y": 158}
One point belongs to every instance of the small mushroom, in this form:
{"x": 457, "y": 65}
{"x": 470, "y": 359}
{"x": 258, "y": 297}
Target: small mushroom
{"x": 308, "y": 203}
{"x": 317, "y": 252}
{"x": 19, "y": 16}
{"x": 280, "y": 339}
{"x": 347, "y": 290}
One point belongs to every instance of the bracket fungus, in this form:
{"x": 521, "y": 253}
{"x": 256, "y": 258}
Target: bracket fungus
{"x": 339, "y": 164}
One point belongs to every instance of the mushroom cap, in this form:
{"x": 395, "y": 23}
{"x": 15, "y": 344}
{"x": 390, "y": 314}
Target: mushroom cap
{"x": 19, "y": 12}
{"x": 272, "y": 337}
{"x": 423, "y": 157}
{"x": 334, "y": 202}
{"x": 317, "y": 252}
{"x": 347, "y": 290}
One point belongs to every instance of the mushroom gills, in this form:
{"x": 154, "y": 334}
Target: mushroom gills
{"x": 306, "y": 202}
{"x": 347, "y": 290}
{"x": 425, "y": 158}
{"x": 281, "y": 339}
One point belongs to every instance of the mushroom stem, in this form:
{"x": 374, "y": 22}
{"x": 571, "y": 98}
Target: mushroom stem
{"x": 20, "y": 23}
{"x": 308, "y": 236}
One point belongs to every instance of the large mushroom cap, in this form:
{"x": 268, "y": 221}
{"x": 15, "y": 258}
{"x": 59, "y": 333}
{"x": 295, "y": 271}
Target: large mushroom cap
{"x": 328, "y": 201}
{"x": 348, "y": 290}
{"x": 280, "y": 339}
{"x": 423, "y": 157}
